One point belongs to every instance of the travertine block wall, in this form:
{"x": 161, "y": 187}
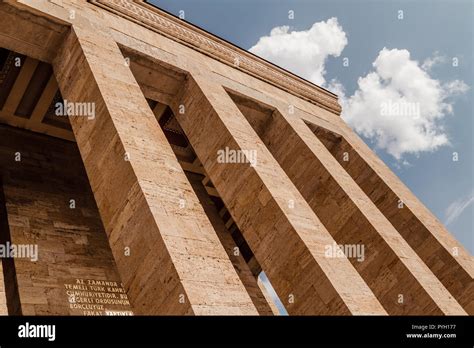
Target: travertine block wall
{"x": 296, "y": 201}
{"x": 9, "y": 297}
{"x": 71, "y": 242}
{"x": 262, "y": 303}
{"x": 287, "y": 238}
{"x": 176, "y": 263}
{"x": 3, "y": 295}
{"x": 443, "y": 255}
{"x": 396, "y": 275}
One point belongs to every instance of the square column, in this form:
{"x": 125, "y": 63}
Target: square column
{"x": 166, "y": 250}
{"x": 283, "y": 232}
{"x": 395, "y": 273}
{"x": 449, "y": 261}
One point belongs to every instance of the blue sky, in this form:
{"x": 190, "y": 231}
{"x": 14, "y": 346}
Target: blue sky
{"x": 427, "y": 61}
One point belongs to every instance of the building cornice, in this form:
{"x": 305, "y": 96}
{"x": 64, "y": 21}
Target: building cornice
{"x": 206, "y": 43}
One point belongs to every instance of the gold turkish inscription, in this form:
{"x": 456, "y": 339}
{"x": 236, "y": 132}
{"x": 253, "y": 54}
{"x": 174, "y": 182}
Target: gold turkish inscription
{"x": 97, "y": 297}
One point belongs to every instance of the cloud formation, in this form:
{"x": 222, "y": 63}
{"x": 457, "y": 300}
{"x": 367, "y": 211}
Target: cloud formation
{"x": 431, "y": 62}
{"x": 399, "y": 106}
{"x": 303, "y": 52}
{"x": 456, "y": 208}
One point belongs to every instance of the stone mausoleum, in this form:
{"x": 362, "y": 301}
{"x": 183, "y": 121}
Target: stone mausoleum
{"x": 149, "y": 167}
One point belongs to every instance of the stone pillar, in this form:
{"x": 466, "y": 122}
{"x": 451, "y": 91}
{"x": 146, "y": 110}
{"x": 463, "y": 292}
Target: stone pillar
{"x": 398, "y": 277}
{"x": 283, "y": 232}
{"x": 168, "y": 256}
{"x": 3, "y": 225}
{"x": 261, "y": 302}
{"x": 3, "y": 295}
{"x": 440, "y": 251}
{"x": 9, "y": 296}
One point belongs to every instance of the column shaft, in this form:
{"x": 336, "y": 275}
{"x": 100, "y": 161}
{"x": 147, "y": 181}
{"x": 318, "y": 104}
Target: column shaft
{"x": 169, "y": 257}
{"x": 446, "y": 258}
{"x": 283, "y": 232}
{"x": 398, "y": 277}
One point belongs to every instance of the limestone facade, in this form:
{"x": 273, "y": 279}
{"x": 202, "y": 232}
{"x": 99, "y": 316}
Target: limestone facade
{"x": 194, "y": 166}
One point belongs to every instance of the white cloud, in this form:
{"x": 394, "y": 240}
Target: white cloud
{"x": 399, "y": 106}
{"x": 303, "y": 52}
{"x": 430, "y": 62}
{"x": 455, "y": 87}
{"x": 456, "y": 208}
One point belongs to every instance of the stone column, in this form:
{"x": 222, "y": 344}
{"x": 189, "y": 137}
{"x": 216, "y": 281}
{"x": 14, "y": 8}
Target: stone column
{"x": 3, "y": 295}
{"x": 166, "y": 250}
{"x": 261, "y": 302}
{"x": 285, "y": 235}
{"x": 450, "y": 262}
{"x": 398, "y": 277}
